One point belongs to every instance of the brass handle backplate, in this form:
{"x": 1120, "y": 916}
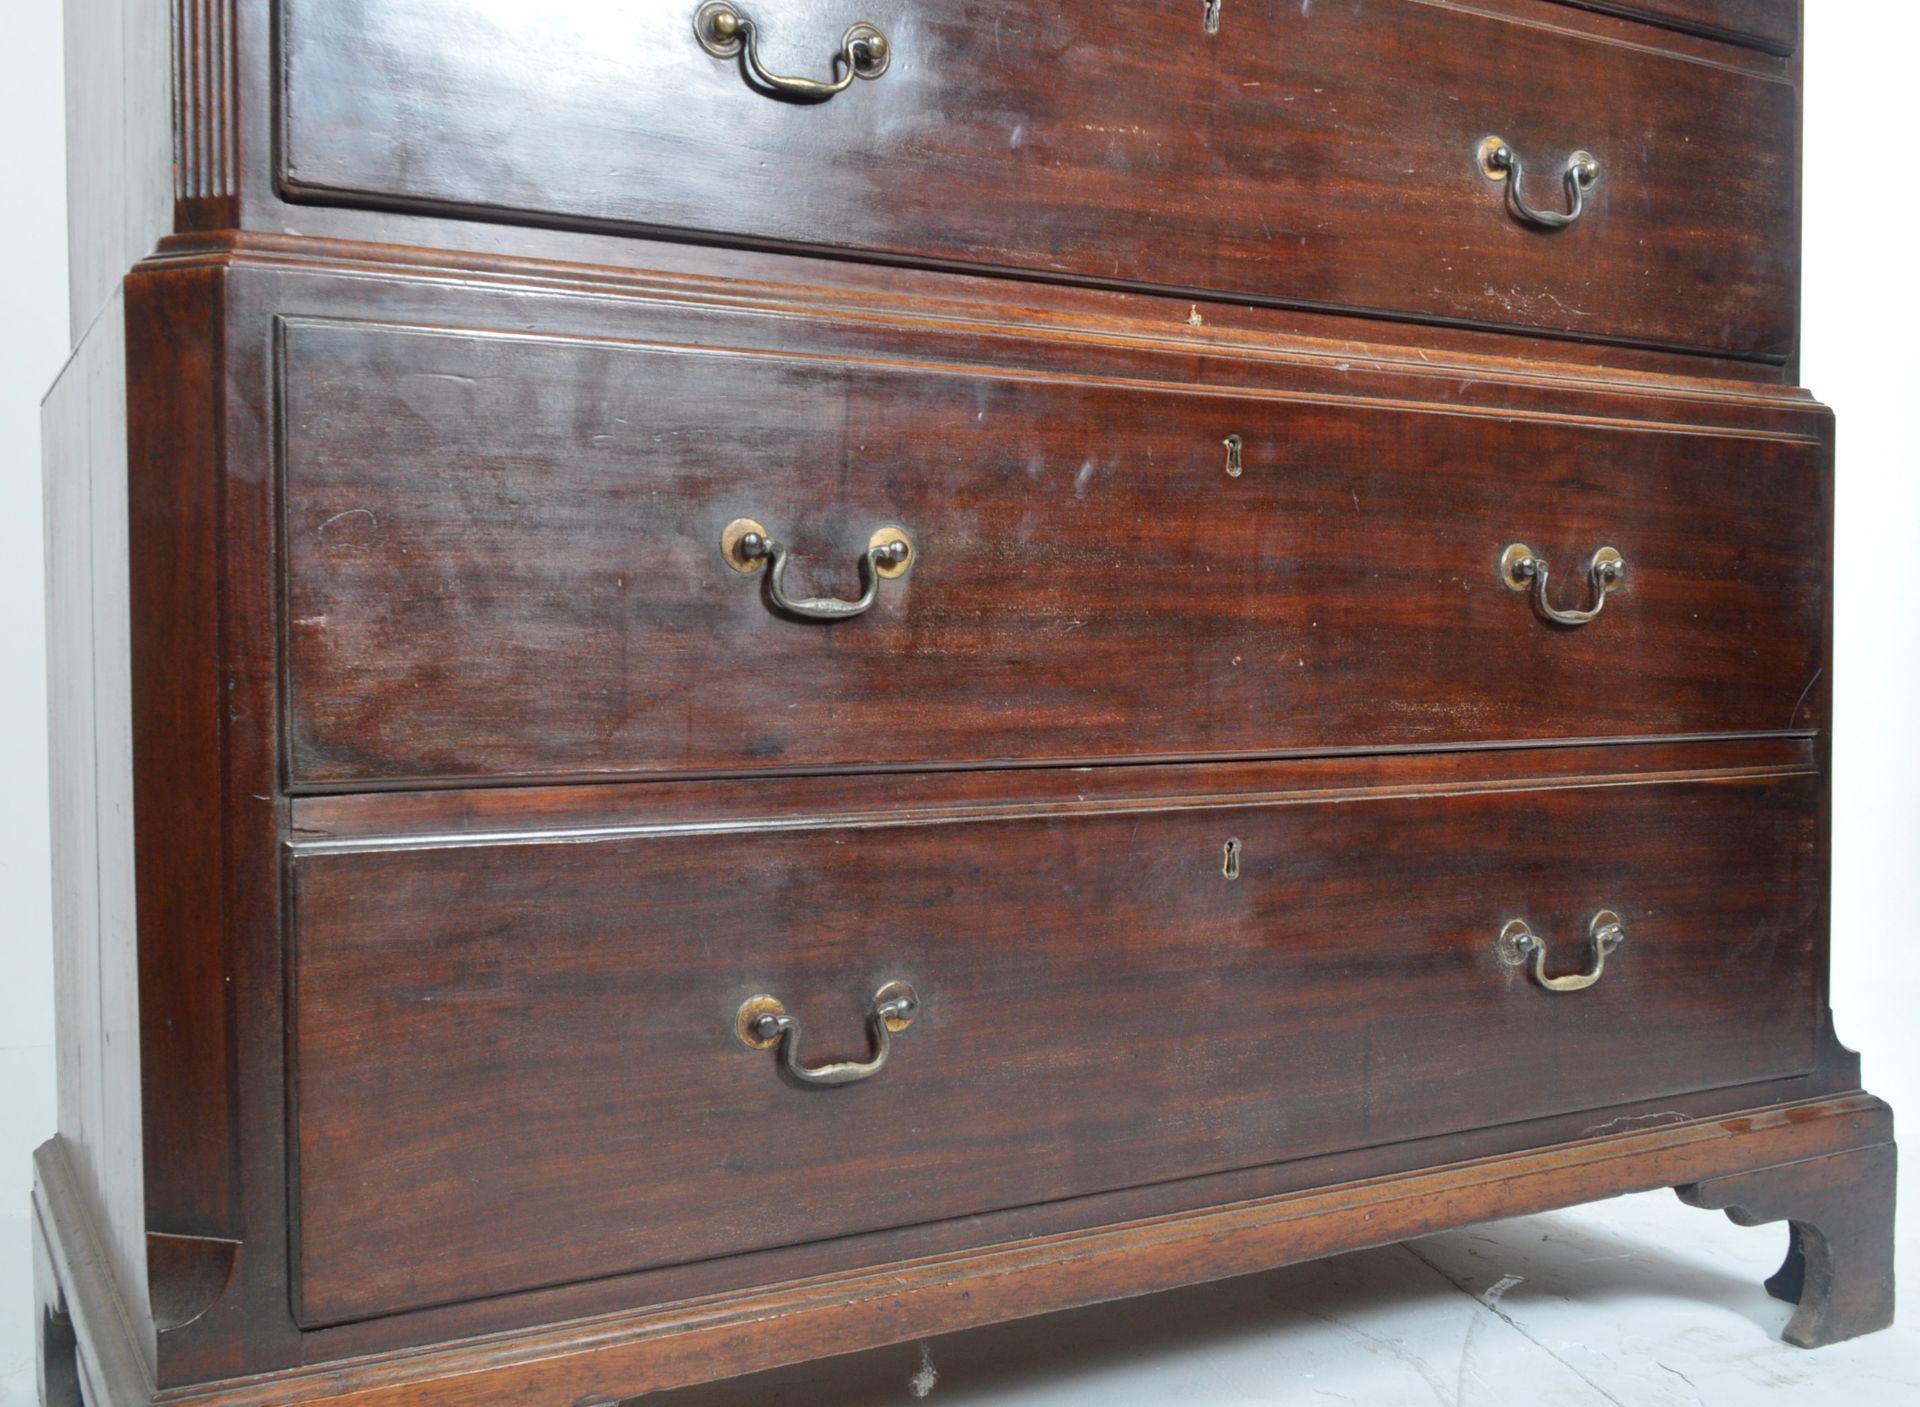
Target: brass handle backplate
{"x": 1518, "y": 945}
{"x": 1501, "y": 162}
{"x": 764, "y": 1023}
{"x": 728, "y": 32}
{"x": 746, "y": 546}
{"x": 1523, "y": 569}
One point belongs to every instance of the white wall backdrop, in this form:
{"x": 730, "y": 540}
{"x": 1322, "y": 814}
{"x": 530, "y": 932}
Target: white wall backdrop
{"x": 33, "y": 345}
{"x": 1862, "y": 306}
{"x": 1862, "y": 309}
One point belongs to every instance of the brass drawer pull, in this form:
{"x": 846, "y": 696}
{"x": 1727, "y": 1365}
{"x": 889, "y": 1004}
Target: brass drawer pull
{"x": 746, "y": 546}
{"x": 1518, "y": 944}
{"x": 726, "y": 32}
{"x": 1523, "y": 569}
{"x": 1501, "y": 162}
{"x": 763, "y": 1023}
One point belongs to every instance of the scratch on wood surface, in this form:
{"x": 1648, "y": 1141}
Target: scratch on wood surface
{"x": 1636, "y": 1121}
{"x": 366, "y": 513}
{"x": 1803, "y": 694}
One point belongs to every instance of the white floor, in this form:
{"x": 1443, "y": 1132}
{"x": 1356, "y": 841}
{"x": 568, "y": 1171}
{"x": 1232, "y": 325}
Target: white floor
{"x": 1637, "y": 1301}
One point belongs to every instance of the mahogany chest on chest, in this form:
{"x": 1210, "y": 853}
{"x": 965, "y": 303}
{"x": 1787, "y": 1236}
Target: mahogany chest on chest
{"x": 741, "y": 680}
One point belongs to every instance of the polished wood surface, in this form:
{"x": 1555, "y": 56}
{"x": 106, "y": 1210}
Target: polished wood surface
{"x": 1102, "y": 1007}
{"x": 503, "y": 559}
{"x": 1771, "y": 24}
{"x": 178, "y": 694}
{"x": 1839, "y": 1267}
{"x": 470, "y": 255}
{"x": 332, "y": 820}
{"x": 1109, "y": 142}
{"x": 465, "y": 791}
{"x": 695, "y": 1342}
{"x": 239, "y": 435}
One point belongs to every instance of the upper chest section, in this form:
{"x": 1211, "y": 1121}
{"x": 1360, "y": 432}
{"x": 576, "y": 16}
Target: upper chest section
{"x": 1329, "y": 154}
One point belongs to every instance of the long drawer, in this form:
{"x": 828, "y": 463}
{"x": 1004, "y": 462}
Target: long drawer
{"x": 519, "y": 557}
{"x": 1769, "y": 24}
{"x": 1325, "y": 155}
{"x": 556, "y": 1032}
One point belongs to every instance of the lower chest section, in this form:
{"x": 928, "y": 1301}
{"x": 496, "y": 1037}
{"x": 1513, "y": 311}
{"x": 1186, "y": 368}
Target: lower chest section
{"x": 573, "y": 1032}
{"x": 772, "y": 790}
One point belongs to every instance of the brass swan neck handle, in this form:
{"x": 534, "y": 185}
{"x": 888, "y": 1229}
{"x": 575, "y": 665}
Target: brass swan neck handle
{"x": 1523, "y": 569}
{"x": 1501, "y": 162}
{"x": 1519, "y": 946}
{"x": 764, "y": 1023}
{"x": 726, "y": 31}
{"x": 746, "y": 546}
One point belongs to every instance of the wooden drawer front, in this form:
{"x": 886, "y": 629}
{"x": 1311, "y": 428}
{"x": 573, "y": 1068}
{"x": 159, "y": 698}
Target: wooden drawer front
{"x": 503, "y": 560}
{"x": 542, "y": 1034}
{"x": 1321, "y": 155}
{"x": 1768, "y": 24}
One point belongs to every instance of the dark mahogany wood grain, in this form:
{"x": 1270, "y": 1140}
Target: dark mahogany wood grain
{"x": 209, "y": 426}
{"x": 207, "y": 821}
{"x": 706, "y": 298}
{"x": 503, "y": 560}
{"x": 174, "y": 554}
{"x": 1112, "y": 335}
{"x": 1102, "y": 142}
{"x": 465, "y": 793}
{"x": 345, "y": 819}
{"x": 815, "y": 802}
{"x": 543, "y": 1032}
{"x": 464, "y": 254}
{"x": 1771, "y": 24}
{"x": 626, "y": 1355}
{"x": 1839, "y": 1267}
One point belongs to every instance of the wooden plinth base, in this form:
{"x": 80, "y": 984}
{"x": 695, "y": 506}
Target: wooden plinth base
{"x": 1825, "y": 1166}
{"x": 1839, "y": 1266}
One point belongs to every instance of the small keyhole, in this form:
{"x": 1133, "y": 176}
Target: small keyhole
{"x": 1231, "y": 866}
{"x": 1213, "y": 16}
{"x": 1234, "y": 445}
